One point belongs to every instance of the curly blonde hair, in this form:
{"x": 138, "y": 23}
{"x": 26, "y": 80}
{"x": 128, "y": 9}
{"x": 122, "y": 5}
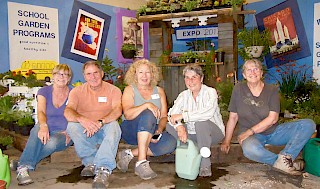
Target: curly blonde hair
{"x": 130, "y": 77}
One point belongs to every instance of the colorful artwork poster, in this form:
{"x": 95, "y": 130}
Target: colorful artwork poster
{"x": 286, "y": 26}
{"x": 87, "y": 36}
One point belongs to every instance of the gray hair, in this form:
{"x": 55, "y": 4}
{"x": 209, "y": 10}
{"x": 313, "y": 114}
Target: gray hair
{"x": 193, "y": 67}
{"x": 91, "y": 62}
{"x": 256, "y": 62}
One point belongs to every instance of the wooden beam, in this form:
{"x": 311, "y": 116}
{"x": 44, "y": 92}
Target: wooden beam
{"x": 149, "y": 18}
{"x": 224, "y": 11}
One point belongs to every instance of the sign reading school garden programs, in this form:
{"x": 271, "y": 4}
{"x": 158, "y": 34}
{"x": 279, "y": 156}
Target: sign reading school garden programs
{"x": 33, "y": 33}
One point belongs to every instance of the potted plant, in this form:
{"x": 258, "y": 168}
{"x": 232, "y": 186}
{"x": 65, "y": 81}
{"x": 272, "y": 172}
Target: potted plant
{"x": 128, "y": 50}
{"x": 25, "y": 123}
{"x": 5, "y": 141}
{"x": 6, "y": 112}
{"x": 188, "y": 57}
{"x": 189, "y": 5}
{"x": 253, "y": 41}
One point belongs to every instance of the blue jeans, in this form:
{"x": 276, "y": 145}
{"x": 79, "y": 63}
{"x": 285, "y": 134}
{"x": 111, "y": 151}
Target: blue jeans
{"x": 35, "y": 151}
{"x": 147, "y": 122}
{"x": 294, "y": 135}
{"x": 101, "y": 148}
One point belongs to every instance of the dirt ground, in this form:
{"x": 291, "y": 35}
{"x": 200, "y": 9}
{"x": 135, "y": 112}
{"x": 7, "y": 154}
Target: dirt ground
{"x": 225, "y": 176}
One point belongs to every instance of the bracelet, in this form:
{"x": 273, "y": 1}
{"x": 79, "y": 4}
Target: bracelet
{"x": 252, "y": 131}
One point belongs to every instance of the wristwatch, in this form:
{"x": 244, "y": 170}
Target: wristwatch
{"x": 101, "y": 122}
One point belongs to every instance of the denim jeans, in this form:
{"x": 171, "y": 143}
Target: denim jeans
{"x": 147, "y": 122}
{"x": 294, "y": 135}
{"x": 35, "y": 151}
{"x": 100, "y": 149}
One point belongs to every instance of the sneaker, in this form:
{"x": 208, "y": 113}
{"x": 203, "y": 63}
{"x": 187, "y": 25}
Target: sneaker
{"x": 205, "y": 172}
{"x": 23, "y": 176}
{"x": 144, "y": 171}
{"x": 299, "y": 165}
{"x": 100, "y": 181}
{"x": 14, "y": 164}
{"x": 284, "y": 163}
{"x": 88, "y": 171}
{"x": 124, "y": 160}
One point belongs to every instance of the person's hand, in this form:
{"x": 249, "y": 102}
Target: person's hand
{"x": 155, "y": 133}
{"x": 243, "y": 136}
{"x": 225, "y": 147}
{"x": 43, "y": 134}
{"x": 90, "y": 127}
{"x": 154, "y": 109}
{"x": 182, "y": 133}
{"x": 67, "y": 137}
{"x": 175, "y": 118}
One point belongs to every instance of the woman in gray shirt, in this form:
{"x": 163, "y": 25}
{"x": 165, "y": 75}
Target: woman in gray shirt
{"x": 255, "y": 106}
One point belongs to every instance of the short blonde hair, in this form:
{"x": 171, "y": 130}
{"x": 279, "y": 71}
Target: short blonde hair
{"x": 62, "y": 67}
{"x": 256, "y": 62}
{"x": 130, "y": 77}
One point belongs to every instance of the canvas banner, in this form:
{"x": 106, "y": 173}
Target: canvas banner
{"x": 33, "y": 33}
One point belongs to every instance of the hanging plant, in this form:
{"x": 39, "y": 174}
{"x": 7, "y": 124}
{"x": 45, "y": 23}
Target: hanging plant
{"x": 249, "y": 39}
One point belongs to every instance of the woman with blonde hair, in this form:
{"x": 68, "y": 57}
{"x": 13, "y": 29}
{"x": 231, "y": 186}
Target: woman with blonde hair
{"x": 48, "y": 135}
{"x": 145, "y": 116}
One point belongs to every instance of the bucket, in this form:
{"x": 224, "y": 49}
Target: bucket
{"x": 188, "y": 160}
{"x": 311, "y": 155}
{"x": 3, "y": 184}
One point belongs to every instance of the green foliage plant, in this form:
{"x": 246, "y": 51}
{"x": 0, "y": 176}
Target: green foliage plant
{"x": 224, "y": 90}
{"x": 128, "y": 47}
{"x": 106, "y": 64}
{"x": 188, "y": 57}
{"x": 6, "y": 140}
{"x": 25, "y": 120}
{"x": 189, "y": 5}
{"x": 253, "y": 37}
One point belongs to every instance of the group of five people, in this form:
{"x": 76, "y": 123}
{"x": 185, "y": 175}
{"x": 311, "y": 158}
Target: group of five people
{"x": 88, "y": 115}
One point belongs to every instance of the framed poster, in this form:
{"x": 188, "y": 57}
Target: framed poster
{"x": 131, "y": 31}
{"x": 288, "y": 33}
{"x": 87, "y": 33}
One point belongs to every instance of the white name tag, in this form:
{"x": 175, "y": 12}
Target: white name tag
{"x": 155, "y": 96}
{"x": 102, "y": 99}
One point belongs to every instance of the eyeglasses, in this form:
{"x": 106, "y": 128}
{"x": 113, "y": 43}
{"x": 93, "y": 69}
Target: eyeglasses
{"x": 254, "y": 70}
{"x": 62, "y": 74}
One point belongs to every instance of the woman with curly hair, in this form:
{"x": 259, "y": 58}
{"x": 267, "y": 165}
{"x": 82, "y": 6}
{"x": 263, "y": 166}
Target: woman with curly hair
{"x": 145, "y": 116}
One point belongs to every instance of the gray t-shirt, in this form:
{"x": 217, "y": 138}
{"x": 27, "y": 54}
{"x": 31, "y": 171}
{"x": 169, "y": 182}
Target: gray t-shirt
{"x": 253, "y": 109}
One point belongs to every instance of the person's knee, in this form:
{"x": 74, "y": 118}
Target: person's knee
{"x": 249, "y": 149}
{"x": 73, "y": 128}
{"x": 112, "y": 131}
{"x": 147, "y": 121}
{"x": 309, "y": 124}
{"x": 147, "y": 115}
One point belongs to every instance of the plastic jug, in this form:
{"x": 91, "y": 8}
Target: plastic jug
{"x": 188, "y": 160}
